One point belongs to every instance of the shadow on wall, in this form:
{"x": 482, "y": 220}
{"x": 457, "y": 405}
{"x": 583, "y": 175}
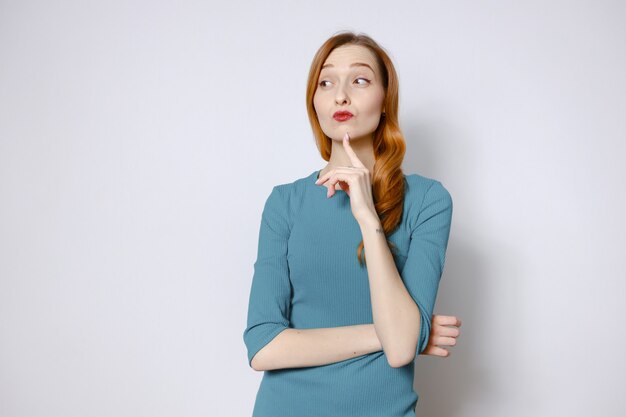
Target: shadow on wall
{"x": 447, "y": 385}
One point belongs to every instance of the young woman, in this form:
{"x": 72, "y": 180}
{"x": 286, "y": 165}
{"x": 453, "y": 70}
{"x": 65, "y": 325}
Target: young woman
{"x": 336, "y": 331}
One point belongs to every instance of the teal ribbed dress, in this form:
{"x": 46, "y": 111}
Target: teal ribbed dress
{"x": 307, "y": 275}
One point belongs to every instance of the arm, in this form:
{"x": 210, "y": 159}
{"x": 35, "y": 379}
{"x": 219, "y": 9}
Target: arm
{"x": 270, "y": 342}
{"x": 402, "y": 304}
{"x": 396, "y": 317}
{"x": 294, "y": 348}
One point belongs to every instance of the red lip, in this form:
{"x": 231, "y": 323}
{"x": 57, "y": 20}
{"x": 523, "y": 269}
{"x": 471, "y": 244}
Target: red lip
{"x": 342, "y": 115}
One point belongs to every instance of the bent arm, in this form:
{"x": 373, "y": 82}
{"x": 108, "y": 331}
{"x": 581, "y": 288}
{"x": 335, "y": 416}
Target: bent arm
{"x": 403, "y": 301}
{"x": 270, "y": 341}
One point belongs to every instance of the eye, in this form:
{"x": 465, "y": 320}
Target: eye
{"x": 321, "y": 83}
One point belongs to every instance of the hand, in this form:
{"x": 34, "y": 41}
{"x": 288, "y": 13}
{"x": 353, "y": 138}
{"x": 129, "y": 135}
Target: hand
{"x": 442, "y": 335}
{"x": 355, "y": 181}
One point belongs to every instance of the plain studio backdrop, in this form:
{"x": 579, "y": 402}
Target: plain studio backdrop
{"x": 140, "y": 139}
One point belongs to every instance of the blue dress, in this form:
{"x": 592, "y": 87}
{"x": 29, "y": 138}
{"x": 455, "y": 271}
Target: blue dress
{"x": 307, "y": 275}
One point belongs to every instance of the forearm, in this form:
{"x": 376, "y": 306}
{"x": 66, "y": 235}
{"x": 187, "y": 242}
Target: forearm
{"x": 294, "y": 348}
{"x": 396, "y": 316}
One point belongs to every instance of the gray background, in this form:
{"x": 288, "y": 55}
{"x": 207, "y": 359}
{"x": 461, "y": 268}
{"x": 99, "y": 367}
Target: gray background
{"x": 139, "y": 140}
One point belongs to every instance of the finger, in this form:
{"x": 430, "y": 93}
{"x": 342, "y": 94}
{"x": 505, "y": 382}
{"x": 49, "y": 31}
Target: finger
{"x": 436, "y": 351}
{"x": 343, "y": 170}
{"x": 351, "y": 154}
{"x": 338, "y": 177}
{"x": 444, "y": 341}
{"x": 446, "y": 320}
{"x": 446, "y": 331}
{"x": 332, "y": 188}
{"x": 329, "y": 190}
{"x": 322, "y": 179}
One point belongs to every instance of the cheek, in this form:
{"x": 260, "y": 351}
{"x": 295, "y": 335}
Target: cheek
{"x": 375, "y": 104}
{"x": 319, "y": 107}
{"x": 372, "y": 107}
{"x": 316, "y": 103}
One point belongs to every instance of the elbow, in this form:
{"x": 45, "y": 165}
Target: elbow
{"x": 259, "y": 340}
{"x": 259, "y": 361}
{"x": 256, "y": 365}
{"x": 403, "y": 354}
{"x": 399, "y": 359}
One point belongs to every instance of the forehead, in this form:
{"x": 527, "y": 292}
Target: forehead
{"x": 343, "y": 56}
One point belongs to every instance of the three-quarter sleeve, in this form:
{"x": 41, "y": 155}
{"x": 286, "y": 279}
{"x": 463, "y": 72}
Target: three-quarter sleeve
{"x": 270, "y": 294}
{"x": 426, "y": 255}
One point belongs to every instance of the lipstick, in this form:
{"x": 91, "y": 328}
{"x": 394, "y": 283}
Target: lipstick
{"x": 342, "y": 115}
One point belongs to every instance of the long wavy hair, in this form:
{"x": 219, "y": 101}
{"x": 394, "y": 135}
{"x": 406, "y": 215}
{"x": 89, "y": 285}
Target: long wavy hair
{"x": 388, "y": 185}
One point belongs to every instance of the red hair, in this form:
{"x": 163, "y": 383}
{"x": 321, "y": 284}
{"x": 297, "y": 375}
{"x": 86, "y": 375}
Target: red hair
{"x": 389, "y": 146}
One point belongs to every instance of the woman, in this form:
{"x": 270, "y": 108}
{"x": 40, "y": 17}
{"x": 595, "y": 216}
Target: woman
{"x": 337, "y": 333}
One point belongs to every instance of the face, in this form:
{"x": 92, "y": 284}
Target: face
{"x": 342, "y": 85}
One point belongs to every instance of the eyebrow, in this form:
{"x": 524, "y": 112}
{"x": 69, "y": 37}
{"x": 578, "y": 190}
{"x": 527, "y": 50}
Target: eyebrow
{"x": 356, "y": 64}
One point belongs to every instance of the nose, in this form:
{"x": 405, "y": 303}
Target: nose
{"x": 341, "y": 97}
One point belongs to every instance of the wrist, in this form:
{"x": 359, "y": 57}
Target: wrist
{"x": 370, "y": 222}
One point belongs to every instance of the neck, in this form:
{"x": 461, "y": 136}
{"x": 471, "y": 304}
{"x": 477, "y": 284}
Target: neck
{"x": 362, "y": 146}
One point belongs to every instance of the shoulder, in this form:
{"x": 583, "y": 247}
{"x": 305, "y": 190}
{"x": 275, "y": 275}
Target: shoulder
{"x": 289, "y": 192}
{"x": 291, "y": 187}
{"x": 425, "y": 195}
{"x": 419, "y": 186}
{"x": 284, "y": 198}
